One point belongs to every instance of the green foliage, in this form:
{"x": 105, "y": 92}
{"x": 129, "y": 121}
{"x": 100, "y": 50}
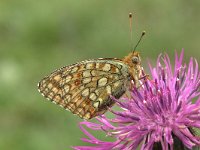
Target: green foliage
{"x": 37, "y": 37}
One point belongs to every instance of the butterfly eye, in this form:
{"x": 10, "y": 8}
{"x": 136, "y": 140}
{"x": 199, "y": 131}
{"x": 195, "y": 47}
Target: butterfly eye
{"x": 135, "y": 60}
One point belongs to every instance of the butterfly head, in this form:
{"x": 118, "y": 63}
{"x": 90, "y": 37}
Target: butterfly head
{"x": 136, "y": 60}
{"x": 133, "y": 59}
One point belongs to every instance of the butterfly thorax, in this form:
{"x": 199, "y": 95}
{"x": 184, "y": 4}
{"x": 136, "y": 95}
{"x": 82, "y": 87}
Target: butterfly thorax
{"x": 133, "y": 62}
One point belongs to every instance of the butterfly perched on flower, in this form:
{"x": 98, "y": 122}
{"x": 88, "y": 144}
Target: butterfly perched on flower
{"x": 85, "y": 88}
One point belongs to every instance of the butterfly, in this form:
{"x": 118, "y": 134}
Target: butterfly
{"x": 85, "y": 88}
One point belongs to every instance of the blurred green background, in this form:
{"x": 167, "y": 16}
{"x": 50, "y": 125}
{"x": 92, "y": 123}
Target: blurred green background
{"x": 37, "y": 37}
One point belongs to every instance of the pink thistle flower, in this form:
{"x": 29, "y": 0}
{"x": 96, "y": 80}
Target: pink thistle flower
{"x": 157, "y": 114}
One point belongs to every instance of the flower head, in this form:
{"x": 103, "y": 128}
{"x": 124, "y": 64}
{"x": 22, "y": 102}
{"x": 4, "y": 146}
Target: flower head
{"x": 156, "y": 114}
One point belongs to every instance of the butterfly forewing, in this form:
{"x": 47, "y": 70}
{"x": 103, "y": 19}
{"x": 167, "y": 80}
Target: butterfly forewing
{"x": 85, "y": 88}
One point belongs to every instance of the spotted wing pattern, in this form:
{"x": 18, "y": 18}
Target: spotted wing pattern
{"x": 85, "y": 88}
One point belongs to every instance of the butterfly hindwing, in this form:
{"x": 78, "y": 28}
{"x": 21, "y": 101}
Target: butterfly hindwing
{"x": 85, "y": 88}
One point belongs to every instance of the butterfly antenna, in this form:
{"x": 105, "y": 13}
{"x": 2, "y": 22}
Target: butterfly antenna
{"x": 131, "y": 29}
{"x": 143, "y": 33}
{"x": 130, "y": 23}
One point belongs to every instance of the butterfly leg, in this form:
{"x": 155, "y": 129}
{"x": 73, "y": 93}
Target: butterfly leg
{"x": 145, "y": 76}
{"x": 137, "y": 83}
